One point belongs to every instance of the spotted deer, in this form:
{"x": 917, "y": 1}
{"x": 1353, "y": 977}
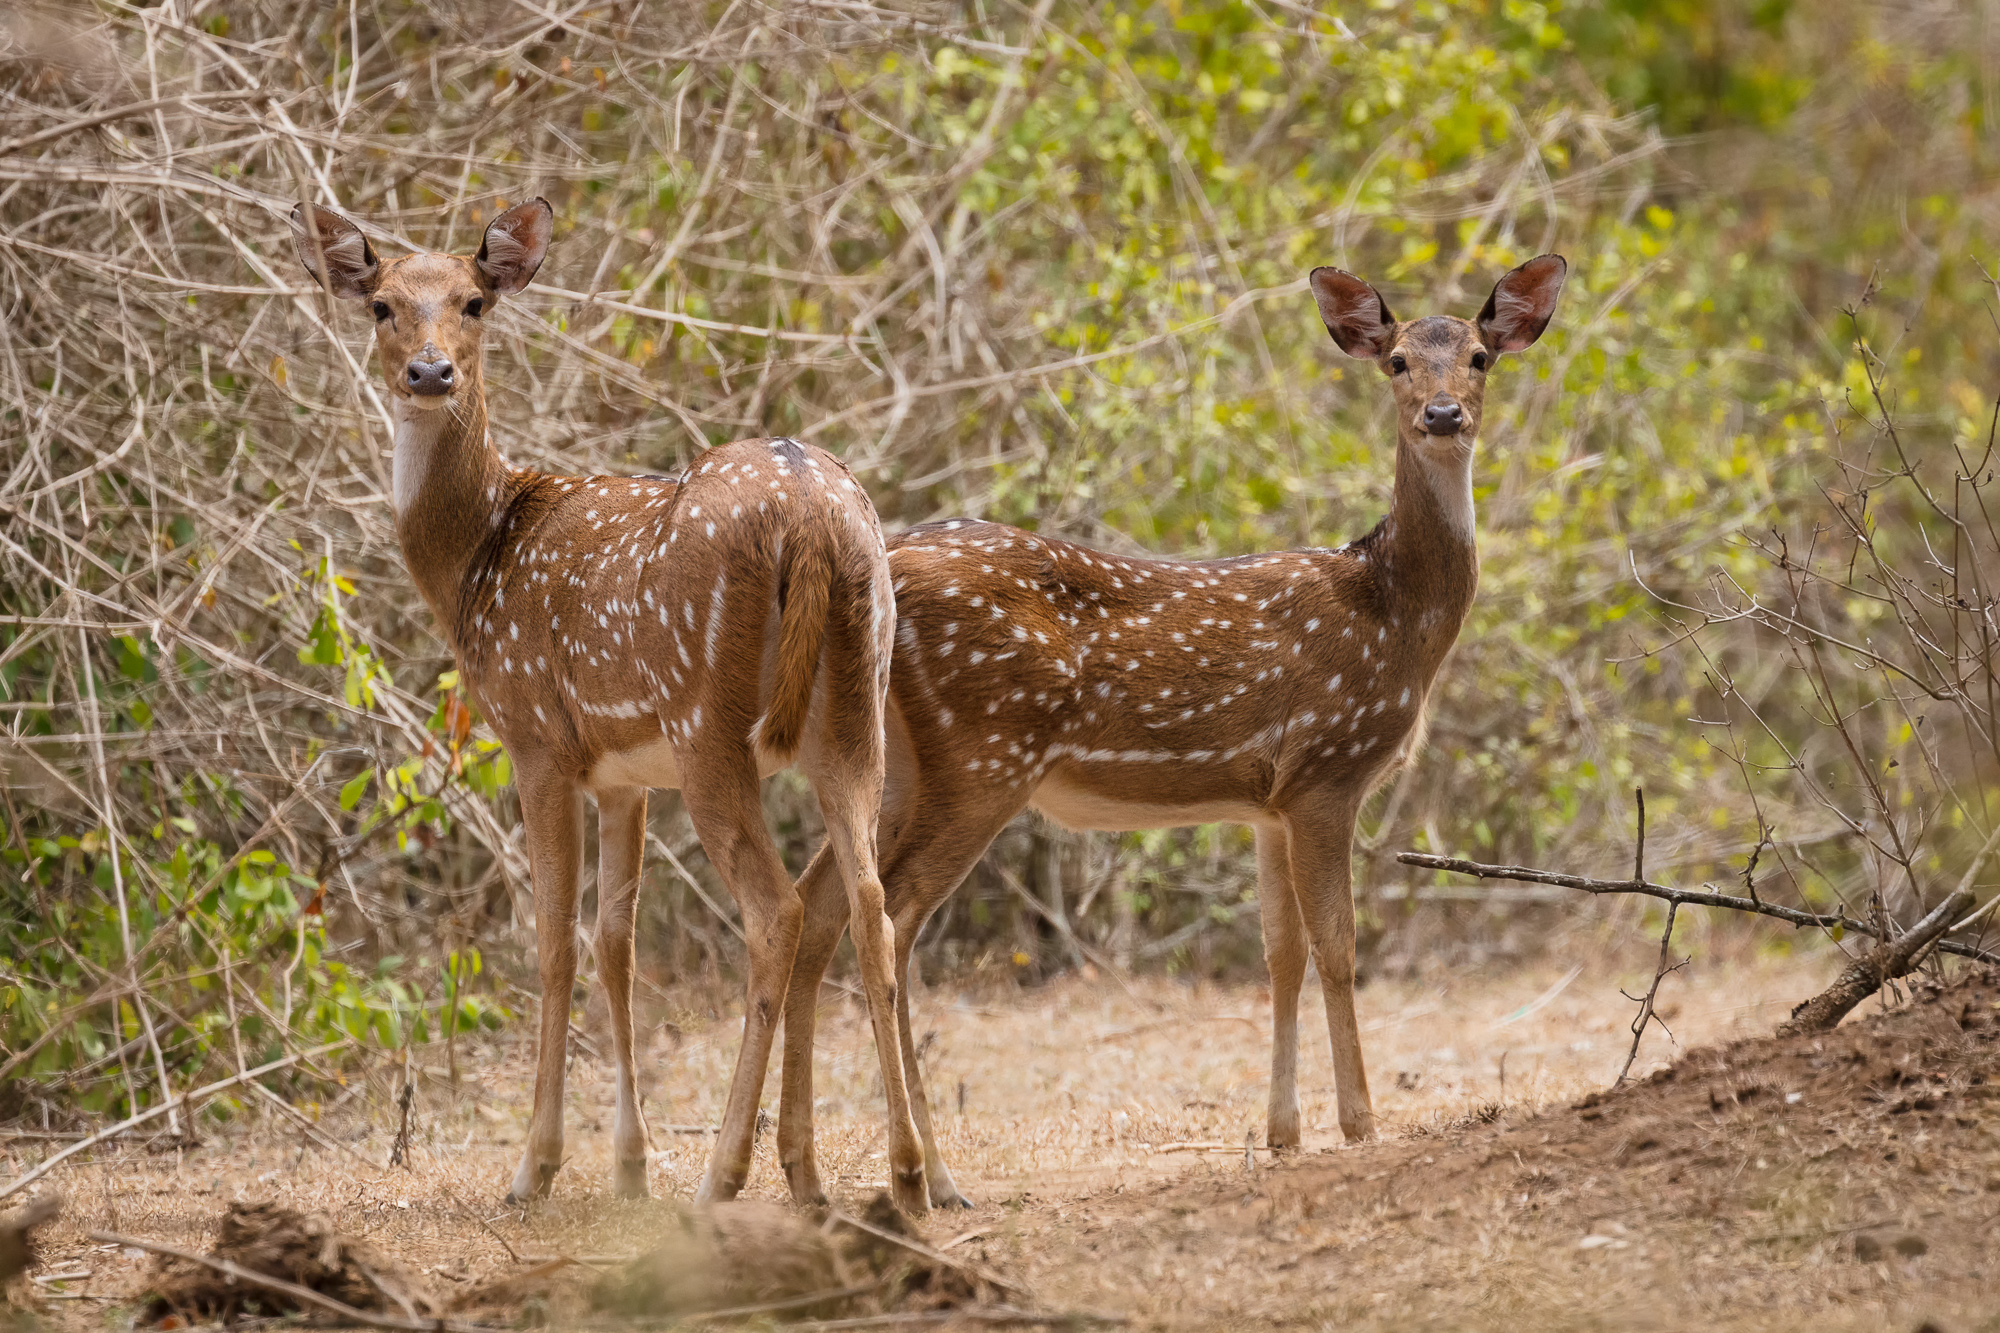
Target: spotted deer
{"x": 1116, "y": 693}
{"x": 624, "y": 633}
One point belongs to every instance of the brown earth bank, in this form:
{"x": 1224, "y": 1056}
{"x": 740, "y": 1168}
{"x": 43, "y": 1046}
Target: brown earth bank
{"x": 1850, "y": 1180}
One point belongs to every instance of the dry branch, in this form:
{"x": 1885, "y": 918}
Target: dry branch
{"x": 1873, "y": 970}
{"x": 1666, "y": 893}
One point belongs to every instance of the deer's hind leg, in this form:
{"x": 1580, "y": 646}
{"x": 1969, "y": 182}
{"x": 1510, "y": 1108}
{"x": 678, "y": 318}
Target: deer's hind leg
{"x": 846, "y": 769}
{"x": 722, "y": 799}
{"x": 621, "y": 850}
{"x": 824, "y": 900}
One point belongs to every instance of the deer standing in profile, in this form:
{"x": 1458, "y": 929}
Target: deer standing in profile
{"x": 623, "y": 633}
{"x": 1117, "y": 693}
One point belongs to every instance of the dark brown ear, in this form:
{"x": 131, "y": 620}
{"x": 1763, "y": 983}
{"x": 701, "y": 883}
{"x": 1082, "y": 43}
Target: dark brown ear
{"x": 516, "y": 243}
{"x": 351, "y": 269}
{"x": 1354, "y": 313}
{"x": 1522, "y": 304}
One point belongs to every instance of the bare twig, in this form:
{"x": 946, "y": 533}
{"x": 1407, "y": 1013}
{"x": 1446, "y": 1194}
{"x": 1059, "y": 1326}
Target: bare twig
{"x": 1647, "y": 1015}
{"x": 1684, "y": 897}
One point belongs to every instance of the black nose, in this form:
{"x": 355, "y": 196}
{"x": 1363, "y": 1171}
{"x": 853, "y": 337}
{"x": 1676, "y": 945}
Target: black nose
{"x": 1443, "y": 418}
{"x": 429, "y": 379}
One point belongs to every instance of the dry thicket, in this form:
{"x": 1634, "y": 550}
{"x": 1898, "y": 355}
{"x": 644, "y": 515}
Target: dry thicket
{"x": 1005, "y": 258}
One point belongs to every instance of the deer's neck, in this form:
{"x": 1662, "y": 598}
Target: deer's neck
{"x": 451, "y": 491}
{"x": 1426, "y": 553}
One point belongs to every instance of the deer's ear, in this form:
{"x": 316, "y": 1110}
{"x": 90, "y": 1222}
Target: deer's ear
{"x": 350, "y": 270}
{"x": 1354, "y": 313}
{"x": 1522, "y": 304}
{"x": 516, "y": 243}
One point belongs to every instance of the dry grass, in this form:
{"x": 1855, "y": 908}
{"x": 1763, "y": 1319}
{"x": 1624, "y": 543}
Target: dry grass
{"x": 1070, "y": 1093}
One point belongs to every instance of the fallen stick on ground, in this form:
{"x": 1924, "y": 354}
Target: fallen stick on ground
{"x": 1665, "y": 893}
{"x": 304, "y": 1295}
{"x": 1872, "y": 970}
{"x": 155, "y": 1112}
{"x": 936, "y": 1256}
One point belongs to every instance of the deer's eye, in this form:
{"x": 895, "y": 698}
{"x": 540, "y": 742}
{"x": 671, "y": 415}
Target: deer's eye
{"x": 474, "y": 307}
{"x": 381, "y": 309}
{"x": 1479, "y": 360}
{"x": 1398, "y": 364}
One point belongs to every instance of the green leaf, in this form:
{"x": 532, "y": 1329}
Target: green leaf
{"x": 351, "y": 791}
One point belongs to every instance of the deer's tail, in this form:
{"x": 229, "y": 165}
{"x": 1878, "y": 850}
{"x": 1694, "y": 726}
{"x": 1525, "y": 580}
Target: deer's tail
{"x": 805, "y": 595}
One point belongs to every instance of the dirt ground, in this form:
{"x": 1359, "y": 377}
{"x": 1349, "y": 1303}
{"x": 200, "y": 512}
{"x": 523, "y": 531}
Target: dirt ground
{"x": 1851, "y": 1181}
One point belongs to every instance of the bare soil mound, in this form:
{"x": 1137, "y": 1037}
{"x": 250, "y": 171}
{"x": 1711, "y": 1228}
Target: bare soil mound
{"x": 1773, "y": 1182}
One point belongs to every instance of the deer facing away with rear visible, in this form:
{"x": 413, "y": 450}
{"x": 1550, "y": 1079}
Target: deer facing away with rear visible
{"x": 1118, "y": 693}
{"x": 624, "y": 633}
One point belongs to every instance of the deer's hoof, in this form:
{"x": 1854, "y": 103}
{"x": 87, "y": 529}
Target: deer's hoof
{"x": 628, "y": 1180}
{"x": 949, "y": 1197}
{"x": 530, "y": 1184}
{"x": 910, "y": 1193}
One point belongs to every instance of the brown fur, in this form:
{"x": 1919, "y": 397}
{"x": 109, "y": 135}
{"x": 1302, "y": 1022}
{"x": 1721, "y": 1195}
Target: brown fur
{"x": 622, "y": 633}
{"x": 804, "y": 597}
{"x": 1120, "y": 693}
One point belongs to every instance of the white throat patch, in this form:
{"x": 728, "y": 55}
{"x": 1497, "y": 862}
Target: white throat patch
{"x": 1450, "y": 476}
{"x": 416, "y": 440}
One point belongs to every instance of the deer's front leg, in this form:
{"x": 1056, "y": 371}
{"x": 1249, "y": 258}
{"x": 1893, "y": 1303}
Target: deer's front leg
{"x": 621, "y": 850}
{"x": 552, "y": 813}
{"x": 1285, "y": 955}
{"x": 1320, "y": 835}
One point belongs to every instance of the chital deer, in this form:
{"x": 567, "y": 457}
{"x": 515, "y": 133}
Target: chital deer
{"x": 622, "y": 633}
{"x": 1116, "y": 693}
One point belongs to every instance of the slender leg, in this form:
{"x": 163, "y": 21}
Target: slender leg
{"x": 935, "y": 847}
{"x": 852, "y": 807}
{"x": 825, "y": 902}
{"x": 1321, "y": 836}
{"x": 552, "y": 814}
{"x": 722, "y": 801}
{"x": 621, "y": 843}
{"x": 944, "y": 1191}
{"x": 1285, "y": 955}
{"x": 940, "y": 844}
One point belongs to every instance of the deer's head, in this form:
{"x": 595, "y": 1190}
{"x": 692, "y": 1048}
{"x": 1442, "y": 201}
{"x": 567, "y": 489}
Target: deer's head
{"x": 427, "y": 307}
{"x": 1437, "y": 364}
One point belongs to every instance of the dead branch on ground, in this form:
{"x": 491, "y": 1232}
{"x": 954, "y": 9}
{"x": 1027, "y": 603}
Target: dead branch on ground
{"x": 1873, "y": 970}
{"x": 303, "y": 1295}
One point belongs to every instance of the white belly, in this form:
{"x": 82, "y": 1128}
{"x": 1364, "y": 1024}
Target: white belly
{"x": 650, "y": 765}
{"x": 1078, "y": 808}
{"x": 654, "y": 765}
